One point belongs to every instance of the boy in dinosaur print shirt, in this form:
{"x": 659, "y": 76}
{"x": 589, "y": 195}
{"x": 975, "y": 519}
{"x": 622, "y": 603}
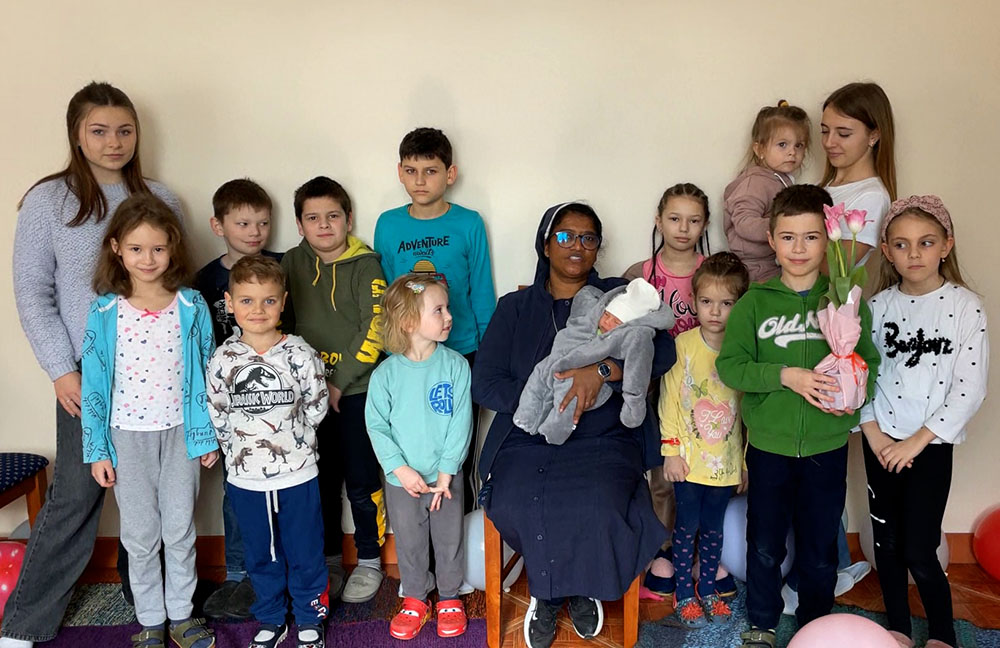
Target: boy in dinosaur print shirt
{"x": 267, "y": 393}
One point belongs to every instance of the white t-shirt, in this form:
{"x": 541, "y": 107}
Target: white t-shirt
{"x": 870, "y": 195}
{"x": 935, "y": 358}
{"x": 147, "y": 393}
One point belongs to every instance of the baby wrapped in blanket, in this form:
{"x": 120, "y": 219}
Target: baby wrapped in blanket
{"x": 621, "y": 324}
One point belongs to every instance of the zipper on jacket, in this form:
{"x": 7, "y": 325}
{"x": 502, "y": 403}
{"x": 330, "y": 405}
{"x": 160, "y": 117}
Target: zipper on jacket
{"x": 805, "y": 328}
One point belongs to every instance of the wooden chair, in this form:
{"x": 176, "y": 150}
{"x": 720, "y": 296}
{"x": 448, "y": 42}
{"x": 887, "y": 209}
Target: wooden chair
{"x": 22, "y": 473}
{"x": 497, "y": 572}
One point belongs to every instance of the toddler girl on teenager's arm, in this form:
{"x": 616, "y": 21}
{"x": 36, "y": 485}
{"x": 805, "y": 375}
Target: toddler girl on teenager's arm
{"x": 419, "y": 417}
{"x": 779, "y": 140}
{"x": 930, "y": 330}
{"x": 702, "y": 440}
{"x": 146, "y": 429}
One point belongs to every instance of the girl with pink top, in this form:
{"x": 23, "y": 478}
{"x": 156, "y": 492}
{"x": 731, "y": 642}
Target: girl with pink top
{"x": 681, "y": 220}
{"x": 680, "y": 224}
{"x": 779, "y": 140}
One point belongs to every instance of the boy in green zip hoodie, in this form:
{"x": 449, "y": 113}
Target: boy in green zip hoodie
{"x": 797, "y": 453}
{"x": 335, "y": 282}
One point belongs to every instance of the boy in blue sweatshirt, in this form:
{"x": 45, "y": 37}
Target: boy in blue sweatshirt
{"x": 431, "y": 235}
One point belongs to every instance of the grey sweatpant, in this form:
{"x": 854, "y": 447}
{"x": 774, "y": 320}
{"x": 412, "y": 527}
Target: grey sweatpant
{"x": 156, "y": 489}
{"x": 414, "y": 526}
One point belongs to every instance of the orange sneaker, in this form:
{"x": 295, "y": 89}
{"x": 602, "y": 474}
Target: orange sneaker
{"x": 410, "y": 619}
{"x": 451, "y": 618}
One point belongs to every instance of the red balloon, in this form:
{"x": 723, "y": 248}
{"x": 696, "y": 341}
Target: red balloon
{"x": 986, "y": 544}
{"x": 11, "y": 559}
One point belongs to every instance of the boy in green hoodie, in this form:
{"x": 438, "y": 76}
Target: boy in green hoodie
{"x": 797, "y": 454}
{"x": 335, "y": 283}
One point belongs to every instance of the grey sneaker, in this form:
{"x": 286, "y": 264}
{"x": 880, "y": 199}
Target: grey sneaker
{"x": 362, "y": 585}
{"x": 850, "y": 576}
{"x": 337, "y": 578}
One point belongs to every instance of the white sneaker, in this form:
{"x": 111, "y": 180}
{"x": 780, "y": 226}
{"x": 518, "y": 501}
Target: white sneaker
{"x": 465, "y": 588}
{"x": 7, "y": 642}
{"x": 791, "y": 599}
{"x": 850, "y": 576}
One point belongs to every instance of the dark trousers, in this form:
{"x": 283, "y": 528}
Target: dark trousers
{"x": 700, "y": 513}
{"x": 283, "y": 550}
{"x": 346, "y": 455}
{"x": 470, "y": 487}
{"x": 907, "y": 509}
{"x": 801, "y": 493}
{"x": 61, "y": 541}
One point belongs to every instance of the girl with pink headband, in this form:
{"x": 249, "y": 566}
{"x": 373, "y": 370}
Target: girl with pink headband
{"x": 930, "y": 330}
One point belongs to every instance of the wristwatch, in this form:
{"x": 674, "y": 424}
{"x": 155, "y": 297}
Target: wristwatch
{"x": 604, "y": 370}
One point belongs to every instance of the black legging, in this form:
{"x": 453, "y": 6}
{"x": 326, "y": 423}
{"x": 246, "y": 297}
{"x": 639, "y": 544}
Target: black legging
{"x": 907, "y": 509}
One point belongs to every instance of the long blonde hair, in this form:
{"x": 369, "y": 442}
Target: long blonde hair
{"x": 401, "y": 306}
{"x": 949, "y": 269}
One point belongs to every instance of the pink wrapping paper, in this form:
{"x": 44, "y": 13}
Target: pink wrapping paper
{"x": 842, "y": 329}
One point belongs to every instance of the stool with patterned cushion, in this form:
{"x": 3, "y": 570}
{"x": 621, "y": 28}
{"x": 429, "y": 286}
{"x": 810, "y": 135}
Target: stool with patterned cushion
{"x": 23, "y": 474}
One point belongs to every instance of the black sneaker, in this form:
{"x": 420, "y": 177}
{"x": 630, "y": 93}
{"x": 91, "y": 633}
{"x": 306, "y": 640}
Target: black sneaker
{"x": 217, "y": 604}
{"x": 587, "y": 615}
{"x": 540, "y": 623}
{"x": 240, "y": 600}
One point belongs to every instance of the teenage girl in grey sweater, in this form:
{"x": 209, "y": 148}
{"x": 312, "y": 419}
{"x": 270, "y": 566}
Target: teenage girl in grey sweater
{"x": 60, "y": 225}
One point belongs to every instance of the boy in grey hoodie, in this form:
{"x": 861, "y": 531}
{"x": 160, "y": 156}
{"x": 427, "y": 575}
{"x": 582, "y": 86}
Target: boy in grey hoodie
{"x": 267, "y": 394}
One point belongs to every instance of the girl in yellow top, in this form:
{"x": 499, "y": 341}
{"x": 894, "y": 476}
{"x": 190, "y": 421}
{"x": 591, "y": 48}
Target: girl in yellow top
{"x": 702, "y": 443}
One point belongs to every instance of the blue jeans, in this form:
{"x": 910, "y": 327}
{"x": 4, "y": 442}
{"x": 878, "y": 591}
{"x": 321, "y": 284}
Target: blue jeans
{"x": 805, "y": 494}
{"x": 843, "y": 559}
{"x": 61, "y": 541}
{"x": 236, "y": 569}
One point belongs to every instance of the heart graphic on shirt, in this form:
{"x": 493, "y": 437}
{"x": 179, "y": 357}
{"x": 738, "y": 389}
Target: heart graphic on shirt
{"x": 713, "y": 420}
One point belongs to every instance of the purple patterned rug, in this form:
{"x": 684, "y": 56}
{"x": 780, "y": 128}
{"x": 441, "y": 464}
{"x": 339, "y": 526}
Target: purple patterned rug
{"x": 370, "y": 634}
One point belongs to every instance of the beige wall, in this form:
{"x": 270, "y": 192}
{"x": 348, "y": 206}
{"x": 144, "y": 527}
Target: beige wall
{"x": 544, "y": 101}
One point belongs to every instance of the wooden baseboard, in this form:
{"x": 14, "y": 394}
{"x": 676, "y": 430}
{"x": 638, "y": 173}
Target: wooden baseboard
{"x": 211, "y": 554}
{"x": 211, "y": 561}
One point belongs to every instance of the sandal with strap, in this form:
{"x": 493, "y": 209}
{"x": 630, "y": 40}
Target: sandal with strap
{"x": 269, "y": 635}
{"x": 757, "y": 638}
{"x": 188, "y": 634}
{"x": 149, "y": 638}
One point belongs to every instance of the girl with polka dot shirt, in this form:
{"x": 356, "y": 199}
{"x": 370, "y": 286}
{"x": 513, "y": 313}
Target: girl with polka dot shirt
{"x": 146, "y": 429}
{"x": 930, "y": 330}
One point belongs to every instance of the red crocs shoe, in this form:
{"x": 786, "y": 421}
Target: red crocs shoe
{"x": 451, "y": 618}
{"x": 410, "y": 618}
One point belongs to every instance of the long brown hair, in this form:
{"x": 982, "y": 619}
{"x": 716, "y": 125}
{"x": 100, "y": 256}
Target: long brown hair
{"x": 142, "y": 208}
{"x": 79, "y": 178}
{"x": 679, "y": 190}
{"x": 868, "y": 103}
{"x": 949, "y": 269}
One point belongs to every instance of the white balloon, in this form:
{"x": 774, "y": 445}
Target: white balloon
{"x": 734, "y": 541}
{"x": 475, "y": 554}
{"x": 867, "y": 538}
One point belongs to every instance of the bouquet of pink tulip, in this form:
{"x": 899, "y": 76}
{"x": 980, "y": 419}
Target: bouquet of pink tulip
{"x": 838, "y": 319}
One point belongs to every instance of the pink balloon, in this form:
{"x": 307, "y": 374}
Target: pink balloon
{"x": 11, "y": 559}
{"x": 839, "y": 630}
